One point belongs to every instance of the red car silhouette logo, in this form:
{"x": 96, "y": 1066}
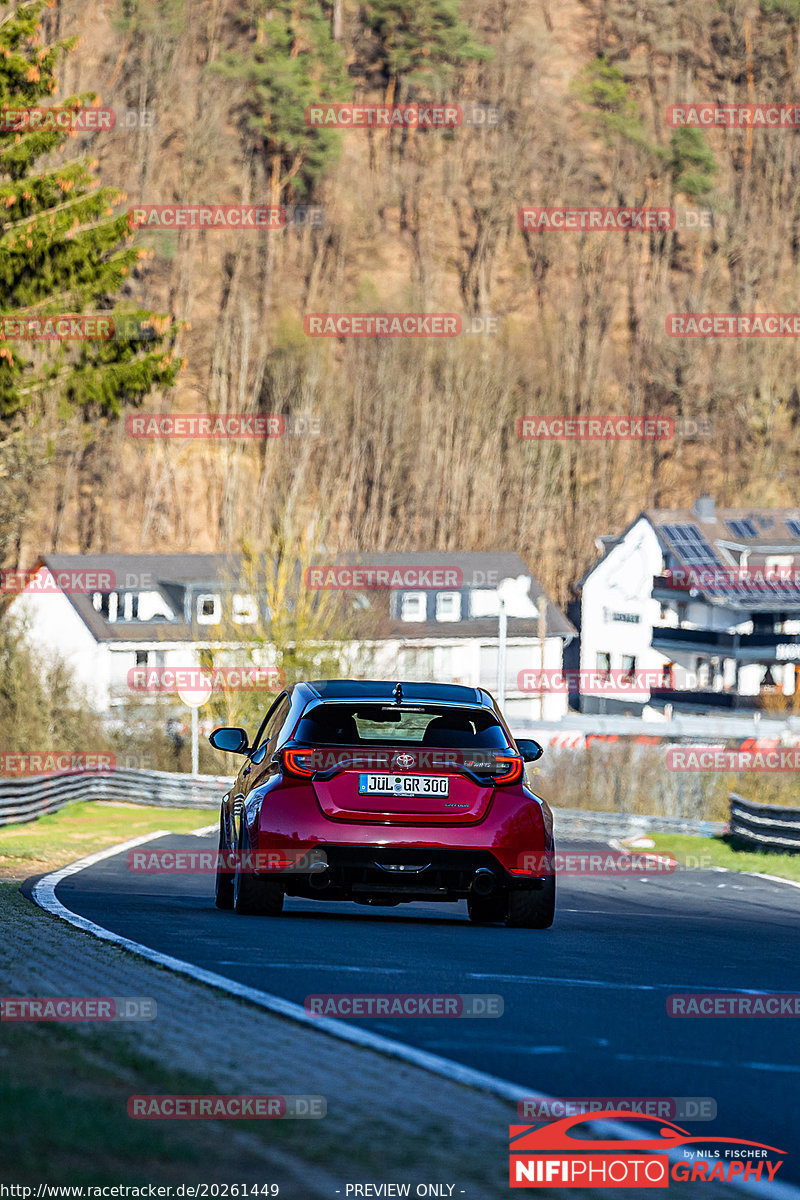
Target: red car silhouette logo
{"x": 557, "y": 1136}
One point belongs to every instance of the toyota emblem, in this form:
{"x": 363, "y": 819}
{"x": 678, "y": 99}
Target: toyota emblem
{"x": 404, "y": 760}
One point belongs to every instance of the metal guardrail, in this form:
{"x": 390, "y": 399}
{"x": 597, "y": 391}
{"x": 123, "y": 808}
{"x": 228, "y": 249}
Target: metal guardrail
{"x": 583, "y": 823}
{"x": 26, "y": 799}
{"x": 688, "y": 726}
{"x": 764, "y": 826}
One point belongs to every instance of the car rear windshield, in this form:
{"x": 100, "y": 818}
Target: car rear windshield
{"x": 406, "y": 725}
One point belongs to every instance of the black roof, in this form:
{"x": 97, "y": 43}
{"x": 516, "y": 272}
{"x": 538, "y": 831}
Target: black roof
{"x": 383, "y": 690}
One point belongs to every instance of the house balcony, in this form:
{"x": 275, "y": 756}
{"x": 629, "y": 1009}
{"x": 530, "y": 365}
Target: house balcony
{"x": 664, "y": 587}
{"x": 762, "y": 647}
{"x": 705, "y": 700}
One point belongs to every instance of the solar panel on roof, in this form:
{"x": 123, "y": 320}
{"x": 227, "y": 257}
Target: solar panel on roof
{"x": 690, "y": 545}
{"x": 793, "y": 527}
{"x": 757, "y": 588}
{"x": 743, "y": 529}
{"x": 762, "y": 593}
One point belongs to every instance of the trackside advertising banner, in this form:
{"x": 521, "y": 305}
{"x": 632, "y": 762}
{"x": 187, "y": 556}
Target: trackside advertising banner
{"x": 575, "y": 1153}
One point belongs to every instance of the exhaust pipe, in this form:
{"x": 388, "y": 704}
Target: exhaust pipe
{"x": 319, "y": 877}
{"x": 484, "y": 882}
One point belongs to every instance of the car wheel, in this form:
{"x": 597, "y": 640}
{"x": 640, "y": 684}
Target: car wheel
{"x": 224, "y": 882}
{"x": 486, "y": 910}
{"x": 253, "y": 896}
{"x": 533, "y": 910}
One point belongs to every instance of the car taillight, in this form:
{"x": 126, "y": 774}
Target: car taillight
{"x": 301, "y": 762}
{"x": 508, "y": 769}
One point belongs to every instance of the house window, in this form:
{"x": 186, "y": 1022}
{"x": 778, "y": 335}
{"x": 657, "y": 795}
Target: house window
{"x": 448, "y": 606}
{"x": 682, "y": 608}
{"x": 779, "y": 565}
{"x": 206, "y": 661}
{"x": 130, "y": 606}
{"x": 141, "y": 658}
{"x": 519, "y": 660}
{"x": 483, "y": 602}
{"x": 488, "y": 667}
{"x": 628, "y": 667}
{"x": 603, "y": 665}
{"x": 244, "y": 609}
{"x": 413, "y": 606}
{"x": 415, "y": 663}
{"x": 444, "y": 664}
{"x": 152, "y": 606}
{"x": 208, "y": 610}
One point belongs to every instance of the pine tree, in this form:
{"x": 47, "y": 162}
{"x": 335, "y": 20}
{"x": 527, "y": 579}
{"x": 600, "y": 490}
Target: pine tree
{"x": 420, "y": 43}
{"x": 291, "y": 63}
{"x": 615, "y": 115}
{"x": 692, "y": 163}
{"x": 787, "y": 8}
{"x": 62, "y": 250}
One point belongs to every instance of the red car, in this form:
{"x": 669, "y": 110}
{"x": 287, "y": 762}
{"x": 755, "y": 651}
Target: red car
{"x": 381, "y": 793}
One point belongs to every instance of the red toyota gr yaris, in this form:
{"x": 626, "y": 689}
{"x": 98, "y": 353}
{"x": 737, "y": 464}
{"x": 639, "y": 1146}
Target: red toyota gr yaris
{"x": 381, "y": 793}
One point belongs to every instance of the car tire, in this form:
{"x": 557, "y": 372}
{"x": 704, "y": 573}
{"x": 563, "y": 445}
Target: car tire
{"x": 223, "y": 892}
{"x": 486, "y": 910}
{"x": 253, "y": 896}
{"x": 533, "y": 910}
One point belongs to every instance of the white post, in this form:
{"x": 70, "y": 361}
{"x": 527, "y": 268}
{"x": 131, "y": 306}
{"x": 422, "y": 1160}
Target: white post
{"x": 502, "y": 631}
{"x": 195, "y": 743}
{"x": 541, "y": 604}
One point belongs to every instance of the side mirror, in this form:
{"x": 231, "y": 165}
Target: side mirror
{"x": 529, "y": 749}
{"x": 232, "y": 740}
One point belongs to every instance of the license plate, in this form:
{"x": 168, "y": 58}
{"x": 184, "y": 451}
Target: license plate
{"x": 403, "y": 785}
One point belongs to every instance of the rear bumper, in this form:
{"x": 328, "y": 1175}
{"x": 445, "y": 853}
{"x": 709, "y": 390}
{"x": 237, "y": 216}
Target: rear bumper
{"x": 359, "y": 872}
{"x": 442, "y": 860}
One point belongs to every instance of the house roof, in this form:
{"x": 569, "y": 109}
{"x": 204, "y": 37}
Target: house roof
{"x": 169, "y": 574}
{"x": 771, "y": 532}
{"x": 476, "y": 566}
{"x": 736, "y": 537}
{"x": 720, "y": 537}
{"x": 166, "y": 574}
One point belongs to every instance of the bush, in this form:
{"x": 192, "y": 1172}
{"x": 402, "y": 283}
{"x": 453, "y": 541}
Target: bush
{"x": 41, "y": 706}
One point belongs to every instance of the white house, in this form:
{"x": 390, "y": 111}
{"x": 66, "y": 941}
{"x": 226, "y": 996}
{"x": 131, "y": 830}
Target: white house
{"x": 700, "y": 607}
{"x": 107, "y": 614}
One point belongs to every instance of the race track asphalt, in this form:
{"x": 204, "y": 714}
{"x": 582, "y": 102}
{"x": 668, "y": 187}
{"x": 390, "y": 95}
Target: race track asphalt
{"x": 584, "y": 1002}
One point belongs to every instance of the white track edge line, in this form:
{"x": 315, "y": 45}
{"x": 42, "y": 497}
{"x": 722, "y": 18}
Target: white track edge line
{"x": 616, "y": 844}
{"x": 44, "y": 895}
{"x": 772, "y": 878}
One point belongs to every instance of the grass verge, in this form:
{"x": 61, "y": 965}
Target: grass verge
{"x": 64, "y": 1095}
{"x": 703, "y": 853}
{"x": 79, "y": 829}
